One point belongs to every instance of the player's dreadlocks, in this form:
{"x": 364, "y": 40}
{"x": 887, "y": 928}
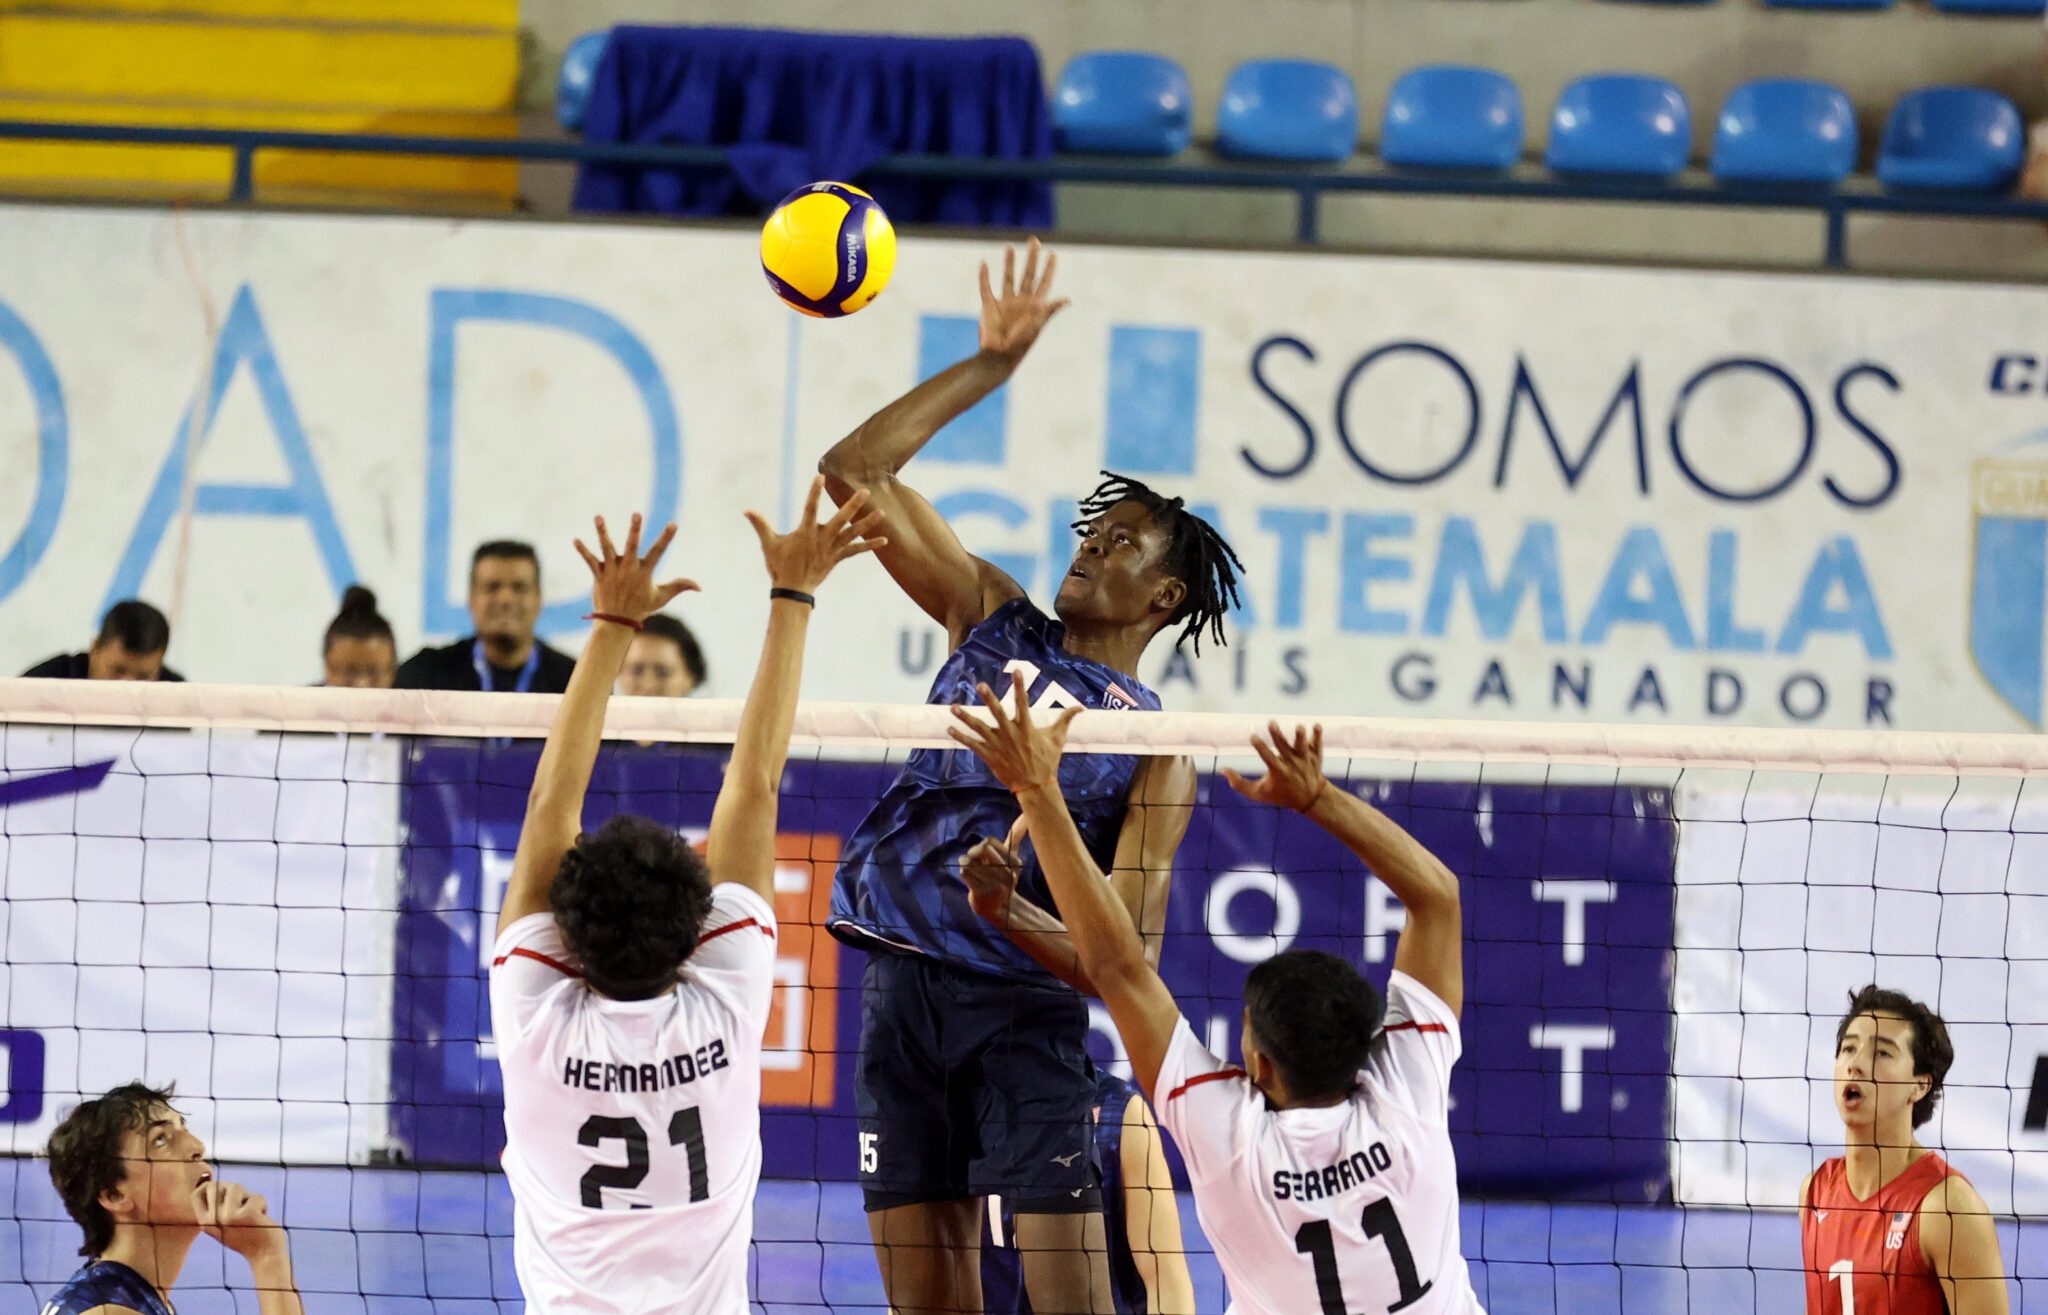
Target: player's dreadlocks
{"x": 1196, "y": 555}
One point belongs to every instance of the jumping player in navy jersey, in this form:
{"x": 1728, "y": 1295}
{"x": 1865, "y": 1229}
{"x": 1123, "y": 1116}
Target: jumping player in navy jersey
{"x": 973, "y": 1080}
{"x": 1148, "y": 1265}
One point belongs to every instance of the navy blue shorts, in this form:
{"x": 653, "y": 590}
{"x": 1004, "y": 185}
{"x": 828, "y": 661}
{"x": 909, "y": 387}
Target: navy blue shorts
{"x": 971, "y": 1085}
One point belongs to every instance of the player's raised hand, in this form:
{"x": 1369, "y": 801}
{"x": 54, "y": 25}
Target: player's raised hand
{"x": 623, "y": 582}
{"x": 1023, "y": 753}
{"x": 1010, "y": 321}
{"x": 1294, "y": 769}
{"x": 802, "y": 558}
{"x": 990, "y": 871}
{"x": 237, "y": 1218}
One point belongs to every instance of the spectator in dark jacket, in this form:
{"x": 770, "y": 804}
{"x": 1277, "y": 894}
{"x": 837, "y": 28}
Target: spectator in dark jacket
{"x": 132, "y": 640}
{"x": 502, "y": 653}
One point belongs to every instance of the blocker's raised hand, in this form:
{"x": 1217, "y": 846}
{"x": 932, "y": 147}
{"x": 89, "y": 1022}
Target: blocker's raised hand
{"x": 1023, "y": 754}
{"x": 623, "y": 582}
{"x": 1294, "y": 769}
{"x": 802, "y": 558}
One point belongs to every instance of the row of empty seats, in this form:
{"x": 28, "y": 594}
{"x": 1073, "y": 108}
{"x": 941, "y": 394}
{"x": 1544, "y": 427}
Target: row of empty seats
{"x": 1788, "y": 131}
{"x": 2033, "y": 7}
{"x": 1774, "y": 131}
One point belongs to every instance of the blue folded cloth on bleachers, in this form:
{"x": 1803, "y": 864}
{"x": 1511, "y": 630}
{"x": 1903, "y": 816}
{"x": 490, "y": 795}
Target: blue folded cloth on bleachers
{"x": 798, "y": 107}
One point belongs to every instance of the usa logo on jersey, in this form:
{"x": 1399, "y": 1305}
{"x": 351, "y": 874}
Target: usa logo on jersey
{"x": 1895, "y": 1236}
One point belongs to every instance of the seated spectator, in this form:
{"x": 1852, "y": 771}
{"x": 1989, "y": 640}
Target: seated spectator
{"x": 502, "y": 654}
{"x": 136, "y": 1180}
{"x": 131, "y": 644}
{"x": 360, "y": 651}
{"x": 663, "y": 660}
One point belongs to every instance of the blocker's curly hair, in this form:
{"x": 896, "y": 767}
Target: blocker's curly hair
{"x": 631, "y": 898}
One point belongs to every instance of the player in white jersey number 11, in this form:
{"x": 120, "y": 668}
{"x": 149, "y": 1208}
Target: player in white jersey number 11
{"x": 631, "y": 978}
{"x": 1322, "y": 1169}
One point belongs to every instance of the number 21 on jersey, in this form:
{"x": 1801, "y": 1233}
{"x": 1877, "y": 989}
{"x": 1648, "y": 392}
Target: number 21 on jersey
{"x": 685, "y": 1129}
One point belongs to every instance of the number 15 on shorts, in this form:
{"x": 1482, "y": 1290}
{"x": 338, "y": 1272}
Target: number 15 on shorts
{"x": 870, "y": 1152}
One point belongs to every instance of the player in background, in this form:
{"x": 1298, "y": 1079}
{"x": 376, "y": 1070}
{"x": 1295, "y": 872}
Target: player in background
{"x": 1322, "y": 1170}
{"x": 1889, "y": 1227}
{"x": 1148, "y": 1266}
{"x": 973, "y": 1077}
{"x": 135, "y": 1177}
{"x": 631, "y": 978}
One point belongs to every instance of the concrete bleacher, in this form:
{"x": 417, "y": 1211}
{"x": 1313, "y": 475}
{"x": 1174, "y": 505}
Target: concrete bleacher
{"x": 421, "y": 67}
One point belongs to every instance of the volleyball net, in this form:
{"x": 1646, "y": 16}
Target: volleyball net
{"x": 282, "y": 901}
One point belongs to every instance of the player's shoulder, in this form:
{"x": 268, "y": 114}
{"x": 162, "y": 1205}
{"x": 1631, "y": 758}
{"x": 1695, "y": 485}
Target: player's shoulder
{"x": 1016, "y": 615}
{"x": 1952, "y": 1193}
{"x": 1413, "y": 1007}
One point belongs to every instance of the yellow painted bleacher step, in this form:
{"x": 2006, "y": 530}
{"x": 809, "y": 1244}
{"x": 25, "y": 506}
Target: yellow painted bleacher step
{"x": 494, "y": 15}
{"x": 206, "y": 171}
{"x": 298, "y": 64}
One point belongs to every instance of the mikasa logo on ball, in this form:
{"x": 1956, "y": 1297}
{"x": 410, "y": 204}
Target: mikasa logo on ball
{"x": 853, "y": 245}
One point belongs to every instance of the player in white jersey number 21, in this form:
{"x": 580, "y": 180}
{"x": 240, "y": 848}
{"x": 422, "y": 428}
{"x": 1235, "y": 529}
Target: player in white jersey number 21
{"x": 1322, "y": 1170}
{"x": 631, "y": 978}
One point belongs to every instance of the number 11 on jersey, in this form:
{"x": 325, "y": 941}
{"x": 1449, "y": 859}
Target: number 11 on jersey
{"x": 1316, "y": 1241}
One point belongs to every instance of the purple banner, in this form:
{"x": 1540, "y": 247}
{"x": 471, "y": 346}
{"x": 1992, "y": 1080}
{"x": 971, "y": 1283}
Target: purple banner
{"x": 1563, "y": 1091}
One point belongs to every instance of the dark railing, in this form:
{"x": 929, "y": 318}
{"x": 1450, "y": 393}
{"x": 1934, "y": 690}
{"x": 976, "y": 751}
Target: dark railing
{"x": 1309, "y": 184}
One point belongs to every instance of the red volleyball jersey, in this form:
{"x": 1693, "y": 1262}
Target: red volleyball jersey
{"x": 1863, "y": 1257}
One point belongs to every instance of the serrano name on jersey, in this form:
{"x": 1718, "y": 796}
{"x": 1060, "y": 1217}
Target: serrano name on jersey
{"x": 1354, "y": 1170}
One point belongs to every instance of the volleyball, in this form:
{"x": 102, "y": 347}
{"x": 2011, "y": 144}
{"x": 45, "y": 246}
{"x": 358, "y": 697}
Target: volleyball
{"x": 828, "y": 250}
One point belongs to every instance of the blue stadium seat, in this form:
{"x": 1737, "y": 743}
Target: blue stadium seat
{"x": 1453, "y": 117}
{"x": 1288, "y": 109}
{"x": 1959, "y": 139}
{"x": 1620, "y": 123}
{"x": 1786, "y": 130}
{"x": 2033, "y": 7}
{"x": 572, "y": 85}
{"x": 1830, "y": 4}
{"x": 1117, "y": 102}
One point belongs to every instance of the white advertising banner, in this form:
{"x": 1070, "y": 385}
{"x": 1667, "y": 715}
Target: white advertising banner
{"x": 1459, "y": 488}
{"x": 211, "y": 910}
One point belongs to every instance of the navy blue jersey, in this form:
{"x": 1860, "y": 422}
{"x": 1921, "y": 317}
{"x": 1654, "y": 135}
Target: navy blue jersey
{"x": 106, "y": 1283}
{"x": 899, "y": 882}
{"x": 1002, "y": 1268}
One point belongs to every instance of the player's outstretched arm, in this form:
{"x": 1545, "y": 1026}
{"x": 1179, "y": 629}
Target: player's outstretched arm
{"x": 1960, "y": 1241}
{"x": 924, "y": 556}
{"x": 623, "y": 594}
{"x": 1432, "y": 945}
{"x": 742, "y": 844}
{"x": 1025, "y": 757}
{"x": 240, "y": 1221}
{"x": 1162, "y": 800}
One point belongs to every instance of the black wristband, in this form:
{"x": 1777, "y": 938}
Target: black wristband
{"x": 794, "y": 596}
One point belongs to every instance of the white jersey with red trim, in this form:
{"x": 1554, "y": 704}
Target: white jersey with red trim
{"x": 633, "y": 1127}
{"x": 1349, "y": 1209}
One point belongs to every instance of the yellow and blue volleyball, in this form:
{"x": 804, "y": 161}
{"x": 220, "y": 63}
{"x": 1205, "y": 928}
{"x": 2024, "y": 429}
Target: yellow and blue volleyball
{"x": 828, "y": 250}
